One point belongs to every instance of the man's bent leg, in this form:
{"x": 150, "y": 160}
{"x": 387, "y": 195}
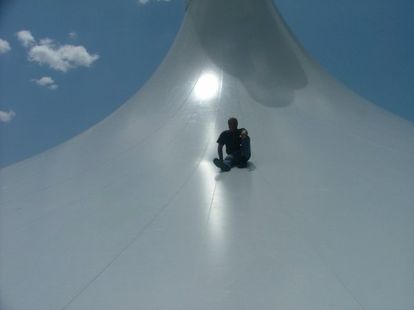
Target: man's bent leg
{"x": 234, "y": 159}
{"x": 220, "y": 164}
{"x": 228, "y": 162}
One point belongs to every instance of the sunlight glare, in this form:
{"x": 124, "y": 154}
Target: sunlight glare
{"x": 207, "y": 87}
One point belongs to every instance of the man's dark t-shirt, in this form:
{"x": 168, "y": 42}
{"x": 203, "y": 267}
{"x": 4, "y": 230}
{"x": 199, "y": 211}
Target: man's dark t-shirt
{"x": 231, "y": 140}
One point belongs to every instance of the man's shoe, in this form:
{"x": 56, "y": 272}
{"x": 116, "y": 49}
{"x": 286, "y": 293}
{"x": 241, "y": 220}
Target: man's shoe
{"x": 217, "y": 162}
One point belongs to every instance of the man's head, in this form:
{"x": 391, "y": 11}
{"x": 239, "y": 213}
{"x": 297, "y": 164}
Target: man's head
{"x": 233, "y": 123}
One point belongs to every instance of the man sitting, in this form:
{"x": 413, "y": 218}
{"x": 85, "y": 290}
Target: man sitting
{"x": 237, "y": 142}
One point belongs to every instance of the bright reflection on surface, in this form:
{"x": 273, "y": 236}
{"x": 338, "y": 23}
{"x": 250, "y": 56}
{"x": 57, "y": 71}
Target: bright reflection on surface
{"x": 207, "y": 87}
{"x": 209, "y": 172}
{"x": 216, "y": 214}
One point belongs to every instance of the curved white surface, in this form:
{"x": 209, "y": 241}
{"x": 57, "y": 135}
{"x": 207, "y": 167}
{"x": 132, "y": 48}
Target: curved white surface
{"x": 132, "y": 214}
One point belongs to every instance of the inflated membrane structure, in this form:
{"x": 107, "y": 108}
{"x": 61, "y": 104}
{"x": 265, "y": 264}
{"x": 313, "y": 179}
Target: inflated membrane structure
{"x": 132, "y": 213}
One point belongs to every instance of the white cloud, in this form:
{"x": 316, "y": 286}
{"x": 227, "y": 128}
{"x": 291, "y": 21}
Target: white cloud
{"x": 6, "y": 117}
{"x": 45, "y": 41}
{"x": 25, "y": 37}
{"x": 4, "y": 46}
{"x": 59, "y": 57}
{"x": 46, "y": 81}
{"x": 142, "y": 2}
{"x": 73, "y": 35}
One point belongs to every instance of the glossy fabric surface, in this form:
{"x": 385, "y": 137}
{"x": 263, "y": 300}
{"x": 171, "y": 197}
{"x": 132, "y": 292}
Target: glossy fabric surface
{"x": 132, "y": 214}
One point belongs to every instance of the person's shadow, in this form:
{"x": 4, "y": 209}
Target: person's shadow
{"x": 221, "y": 174}
{"x": 250, "y": 166}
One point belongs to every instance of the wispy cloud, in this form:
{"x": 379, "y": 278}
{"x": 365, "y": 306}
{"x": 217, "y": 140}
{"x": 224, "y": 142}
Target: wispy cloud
{"x": 142, "y": 2}
{"x": 56, "y": 56}
{"x": 73, "y": 35}
{"x": 25, "y": 38}
{"x": 6, "y": 117}
{"x": 4, "y": 46}
{"x": 46, "y": 81}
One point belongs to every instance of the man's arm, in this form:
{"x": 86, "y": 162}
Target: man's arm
{"x": 220, "y": 151}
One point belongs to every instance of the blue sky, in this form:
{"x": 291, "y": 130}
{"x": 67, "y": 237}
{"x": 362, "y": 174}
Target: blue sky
{"x": 65, "y": 65}
{"x": 366, "y": 44}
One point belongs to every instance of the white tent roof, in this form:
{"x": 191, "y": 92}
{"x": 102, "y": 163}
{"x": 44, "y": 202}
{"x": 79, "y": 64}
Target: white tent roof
{"x": 132, "y": 214}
